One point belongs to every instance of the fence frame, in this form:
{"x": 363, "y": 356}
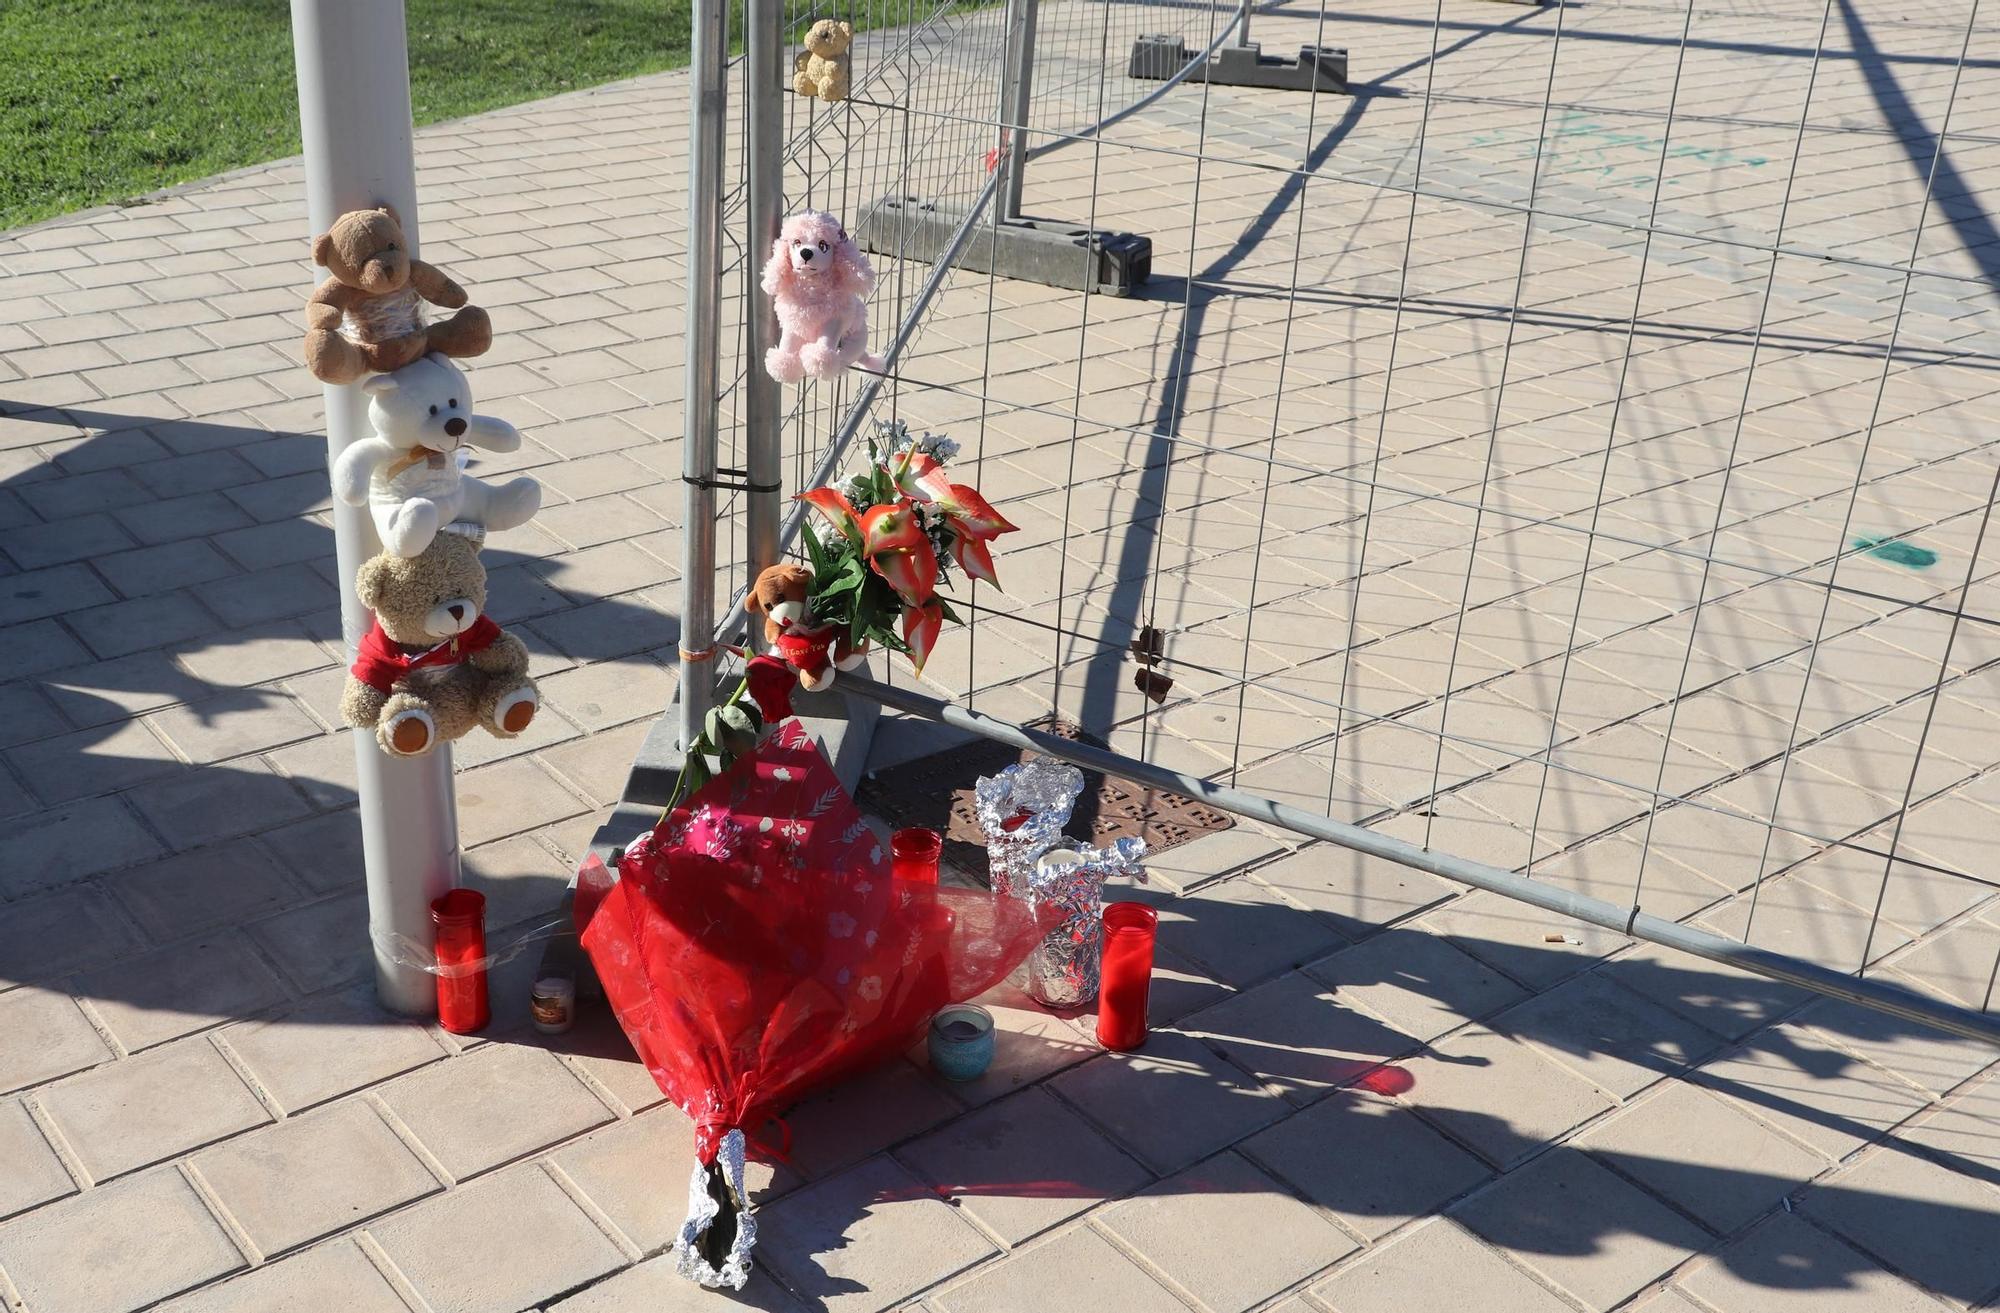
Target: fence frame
{"x": 766, "y": 91}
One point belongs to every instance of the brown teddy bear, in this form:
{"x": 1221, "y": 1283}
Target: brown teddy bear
{"x": 821, "y": 68}
{"x": 369, "y": 315}
{"x": 433, "y": 665}
{"x": 815, "y": 651}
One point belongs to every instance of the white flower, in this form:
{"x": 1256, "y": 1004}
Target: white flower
{"x": 783, "y": 773}
{"x": 870, "y": 988}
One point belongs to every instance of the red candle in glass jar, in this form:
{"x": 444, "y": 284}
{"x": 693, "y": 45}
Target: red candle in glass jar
{"x": 1126, "y": 974}
{"x": 460, "y": 919}
{"x": 914, "y": 855}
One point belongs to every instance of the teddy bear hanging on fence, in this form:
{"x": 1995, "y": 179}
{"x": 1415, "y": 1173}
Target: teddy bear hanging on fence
{"x": 821, "y": 68}
{"x": 817, "y": 279}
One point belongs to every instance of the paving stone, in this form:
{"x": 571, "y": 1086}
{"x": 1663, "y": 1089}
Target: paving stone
{"x": 37, "y": 546}
{"x": 862, "y": 1116}
{"x": 214, "y": 803}
{"x": 164, "y": 568}
{"x": 1497, "y": 1095}
{"x": 1927, "y": 1058}
{"x": 509, "y": 797}
{"x": 496, "y": 1103}
{"x": 335, "y": 1275}
{"x": 1815, "y": 1094}
{"x": 1294, "y": 1034}
{"x": 1582, "y": 1227}
{"x": 323, "y": 852}
{"x": 273, "y": 594}
{"x": 320, "y": 944}
{"x": 1435, "y": 1266}
{"x": 234, "y": 724}
{"x": 45, "y": 1036}
{"x": 551, "y": 1244}
{"x": 201, "y": 890}
{"x": 328, "y": 1047}
{"x": 1371, "y": 1164}
{"x": 144, "y": 622}
{"x": 866, "y": 1239}
{"x": 1171, "y": 1103}
{"x": 59, "y": 590}
{"x": 48, "y": 936}
{"x": 253, "y": 654}
{"x": 1786, "y": 1265}
{"x": 595, "y": 1047}
{"x": 93, "y": 761}
{"x": 1242, "y": 932}
{"x": 656, "y": 1286}
{"x": 197, "y": 515}
{"x": 175, "y": 991}
{"x": 310, "y": 1176}
{"x": 32, "y": 649}
{"x": 97, "y": 693}
{"x": 1719, "y": 998}
{"x": 1358, "y": 892}
{"x": 34, "y": 1174}
{"x": 131, "y": 1114}
{"x": 1215, "y": 854}
{"x": 621, "y": 1169}
{"x": 61, "y": 845}
{"x": 1703, "y": 1156}
{"x": 1611, "y": 1037}
{"x": 1227, "y": 1234}
{"x": 121, "y": 1246}
{"x": 1416, "y": 982}
{"x": 1022, "y": 1165}
{"x": 1514, "y": 938}
{"x": 1920, "y": 1219}
{"x": 1078, "y": 1269}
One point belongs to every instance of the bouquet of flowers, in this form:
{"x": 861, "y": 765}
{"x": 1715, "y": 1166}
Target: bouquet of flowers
{"x": 756, "y": 946}
{"x": 899, "y": 528}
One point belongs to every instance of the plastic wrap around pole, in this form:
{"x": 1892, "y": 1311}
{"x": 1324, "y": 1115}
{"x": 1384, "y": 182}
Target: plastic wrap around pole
{"x": 354, "y": 111}
{"x": 1864, "y": 991}
{"x": 1016, "y": 98}
{"x": 763, "y": 449}
{"x": 708, "y": 120}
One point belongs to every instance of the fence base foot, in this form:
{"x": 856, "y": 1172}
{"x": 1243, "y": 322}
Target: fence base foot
{"x": 1317, "y": 68}
{"x": 1047, "y": 251}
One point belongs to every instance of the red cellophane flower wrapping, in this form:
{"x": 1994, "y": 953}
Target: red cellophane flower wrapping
{"x": 755, "y": 947}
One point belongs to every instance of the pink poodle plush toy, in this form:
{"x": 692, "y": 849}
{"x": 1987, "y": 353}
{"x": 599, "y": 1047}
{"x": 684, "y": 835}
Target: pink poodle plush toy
{"x": 817, "y": 276}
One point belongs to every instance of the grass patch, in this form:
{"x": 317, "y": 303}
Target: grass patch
{"x": 104, "y": 100}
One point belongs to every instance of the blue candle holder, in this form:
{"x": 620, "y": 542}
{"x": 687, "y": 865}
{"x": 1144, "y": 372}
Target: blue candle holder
{"x": 961, "y": 1042}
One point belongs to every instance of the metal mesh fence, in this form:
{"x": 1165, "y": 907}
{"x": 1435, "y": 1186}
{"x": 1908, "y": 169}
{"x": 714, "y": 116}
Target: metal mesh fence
{"x": 1572, "y": 450}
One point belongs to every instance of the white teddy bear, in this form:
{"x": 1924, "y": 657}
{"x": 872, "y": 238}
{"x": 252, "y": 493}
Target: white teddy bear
{"x": 411, "y": 473}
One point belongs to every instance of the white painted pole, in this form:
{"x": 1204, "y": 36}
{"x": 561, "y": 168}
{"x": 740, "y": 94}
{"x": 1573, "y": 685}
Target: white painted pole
{"x": 354, "y": 110}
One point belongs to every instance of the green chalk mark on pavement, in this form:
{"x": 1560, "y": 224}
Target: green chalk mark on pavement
{"x": 1897, "y": 553}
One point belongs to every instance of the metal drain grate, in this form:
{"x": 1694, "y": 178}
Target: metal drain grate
{"x": 1110, "y": 807}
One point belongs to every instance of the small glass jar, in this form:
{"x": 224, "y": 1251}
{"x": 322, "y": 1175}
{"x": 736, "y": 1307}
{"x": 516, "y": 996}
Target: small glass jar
{"x": 552, "y": 1004}
{"x": 914, "y": 855}
{"x": 459, "y": 919}
{"x": 961, "y": 1042}
{"x": 1127, "y": 974}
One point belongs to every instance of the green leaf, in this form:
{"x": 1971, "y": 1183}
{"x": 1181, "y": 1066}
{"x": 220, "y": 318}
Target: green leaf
{"x": 814, "y": 551}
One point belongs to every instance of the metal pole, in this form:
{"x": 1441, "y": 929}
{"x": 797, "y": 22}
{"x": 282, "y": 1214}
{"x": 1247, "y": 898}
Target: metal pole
{"x": 763, "y": 448}
{"x": 354, "y": 111}
{"x": 1243, "y": 27}
{"x": 708, "y": 119}
{"x": 1870, "y": 993}
{"x": 1016, "y": 95}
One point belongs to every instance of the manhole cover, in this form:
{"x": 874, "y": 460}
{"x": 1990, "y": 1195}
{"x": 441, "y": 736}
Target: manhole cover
{"x": 1110, "y": 807}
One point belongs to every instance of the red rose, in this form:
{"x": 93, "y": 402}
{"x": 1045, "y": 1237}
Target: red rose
{"x": 771, "y": 682}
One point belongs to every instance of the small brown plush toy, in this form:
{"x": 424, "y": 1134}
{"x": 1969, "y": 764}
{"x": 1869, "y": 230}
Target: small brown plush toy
{"x": 368, "y": 316}
{"x": 433, "y": 665}
{"x": 815, "y": 651}
{"x": 821, "y": 68}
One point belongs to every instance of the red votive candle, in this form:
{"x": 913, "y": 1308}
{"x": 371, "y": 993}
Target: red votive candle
{"x": 460, "y": 919}
{"x": 914, "y": 855}
{"x": 1126, "y": 974}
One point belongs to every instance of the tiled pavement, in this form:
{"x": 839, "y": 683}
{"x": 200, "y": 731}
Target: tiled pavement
{"x": 1368, "y": 1090}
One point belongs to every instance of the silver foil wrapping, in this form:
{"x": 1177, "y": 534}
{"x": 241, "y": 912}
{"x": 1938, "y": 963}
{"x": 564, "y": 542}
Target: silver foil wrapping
{"x": 1042, "y": 791}
{"x": 1062, "y": 972}
{"x": 703, "y": 1210}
